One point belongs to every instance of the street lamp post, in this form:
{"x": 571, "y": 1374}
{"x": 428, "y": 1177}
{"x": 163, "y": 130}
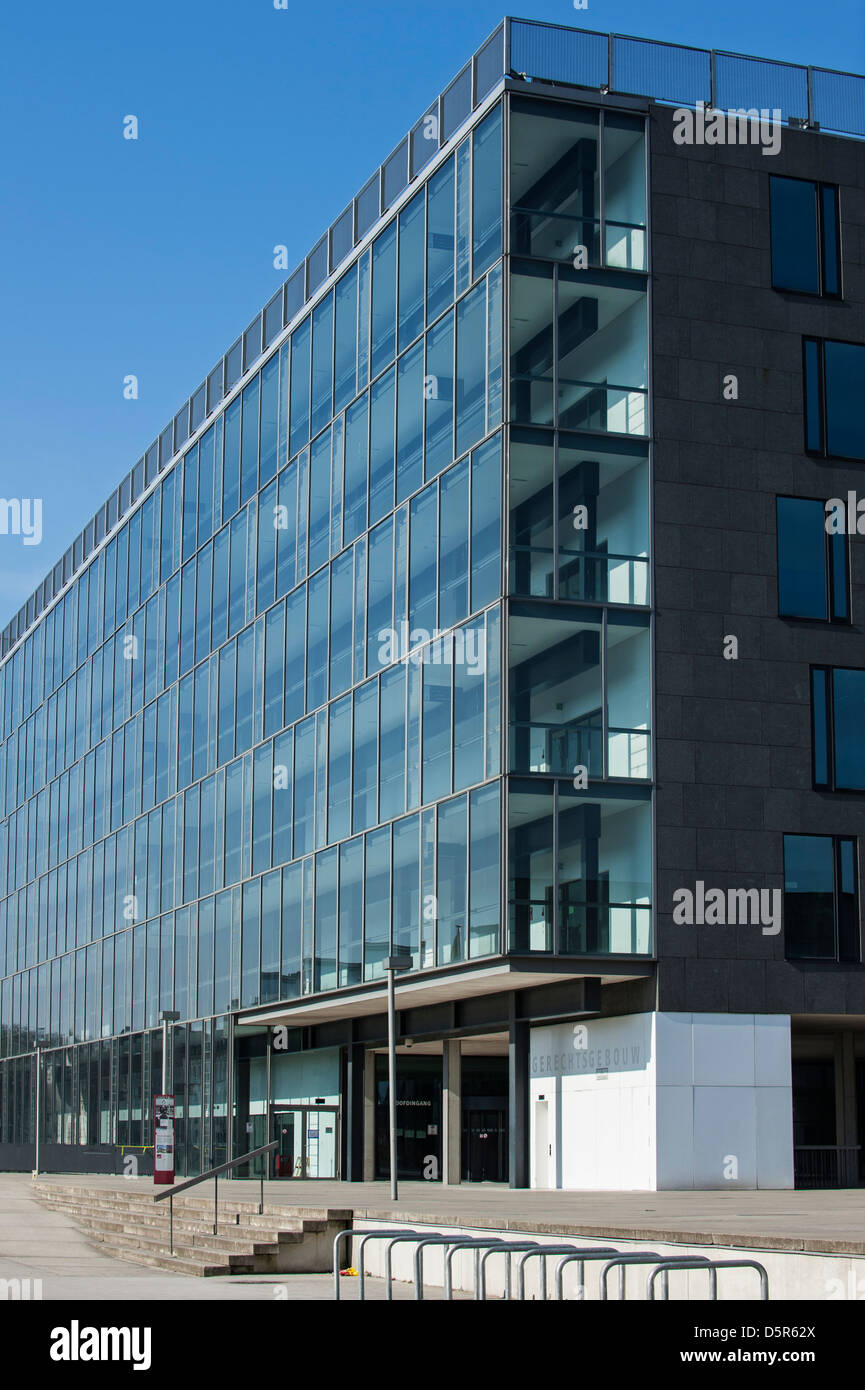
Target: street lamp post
{"x": 392, "y": 965}
{"x": 38, "y": 1104}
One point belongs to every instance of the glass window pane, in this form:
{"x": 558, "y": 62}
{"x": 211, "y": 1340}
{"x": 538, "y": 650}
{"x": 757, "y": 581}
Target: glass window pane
{"x": 801, "y": 558}
{"x": 283, "y": 772}
{"x": 624, "y": 191}
{"x": 440, "y": 241}
{"x": 820, "y": 711}
{"x": 410, "y": 410}
{"x": 322, "y": 365}
{"x": 295, "y": 654}
{"x": 351, "y": 912}
{"x": 377, "y": 903}
{"x": 356, "y": 469}
{"x": 392, "y": 743}
{"x": 339, "y": 770}
{"x": 326, "y": 864}
{"x": 468, "y": 667}
{"x": 286, "y": 531}
{"x": 299, "y": 433}
{"x": 484, "y": 871}
{"x": 439, "y": 396}
{"x": 406, "y": 888}
{"x": 464, "y": 233}
{"x": 422, "y": 561}
{"x": 319, "y": 501}
{"x": 341, "y": 611}
{"x": 451, "y": 881}
{"x": 848, "y": 708}
{"x": 383, "y": 300}
{"x": 269, "y": 418}
{"x": 381, "y": 446}
{"x": 318, "y": 624}
{"x": 292, "y": 918}
{"x": 365, "y": 756}
{"x": 831, "y": 260}
{"x": 486, "y": 523}
{"x": 304, "y": 786}
{"x": 812, "y": 389}
{"x": 795, "y": 264}
{"x": 454, "y": 545}
{"x": 554, "y": 180}
{"x": 249, "y": 446}
{"x": 436, "y": 767}
{"x": 411, "y": 270}
{"x": 531, "y": 294}
{"x": 380, "y": 596}
{"x": 845, "y": 385}
{"x": 809, "y": 907}
{"x": 346, "y": 340}
{"x": 487, "y": 191}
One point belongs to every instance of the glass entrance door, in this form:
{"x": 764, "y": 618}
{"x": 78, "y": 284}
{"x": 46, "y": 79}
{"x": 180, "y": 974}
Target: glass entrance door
{"x": 485, "y": 1138}
{"x": 308, "y": 1142}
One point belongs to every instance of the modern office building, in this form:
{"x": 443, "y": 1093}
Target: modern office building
{"x": 479, "y": 607}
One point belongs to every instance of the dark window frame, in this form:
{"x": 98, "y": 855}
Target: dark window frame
{"x": 828, "y": 672}
{"x": 822, "y": 424}
{"x": 833, "y": 618}
{"x": 820, "y": 188}
{"x": 837, "y": 841}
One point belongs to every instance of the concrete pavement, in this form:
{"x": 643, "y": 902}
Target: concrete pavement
{"x": 37, "y": 1243}
{"x": 823, "y": 1221}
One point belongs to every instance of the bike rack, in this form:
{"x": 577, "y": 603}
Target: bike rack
{"x": 590, "y": 1252}
{"x": 541, "y": 1252}
{"x": 712, "y": 1266}
{"x": 444, "y": 1240}
{"x": 507, "y": 1248}
{"x": 620, "y": 1261}
{"x": 377, "y": 1233}
{"x": 478, "y": 1244}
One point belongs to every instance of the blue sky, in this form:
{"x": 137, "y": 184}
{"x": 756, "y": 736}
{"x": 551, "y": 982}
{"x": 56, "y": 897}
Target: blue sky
{"x": 256, "y": 128}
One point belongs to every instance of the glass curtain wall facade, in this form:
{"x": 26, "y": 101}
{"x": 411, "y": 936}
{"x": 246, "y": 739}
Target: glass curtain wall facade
{"x": 227, "y": 773}
{"x": 326, "y": 691}
{"x": 579, "y": 648}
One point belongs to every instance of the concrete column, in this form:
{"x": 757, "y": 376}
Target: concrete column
{"x": 369, "y": 1117}
{"x": 518, "y": 1103}
{"x": 845, "y": 1105}
{"x": 452, "y": 1105}
{"x": 354, "y": 1111}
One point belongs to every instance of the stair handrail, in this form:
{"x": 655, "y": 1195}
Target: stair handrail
{"x": 203, "y": 1177}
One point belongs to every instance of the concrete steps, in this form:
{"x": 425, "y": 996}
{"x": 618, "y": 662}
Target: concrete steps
{"x": 131, "y": 1226}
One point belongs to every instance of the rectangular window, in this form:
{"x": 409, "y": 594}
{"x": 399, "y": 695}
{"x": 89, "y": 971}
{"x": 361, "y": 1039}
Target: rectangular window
{"x": 821, "y": 898}
{"x": 300, "y": 383}
{"x": 834, "y": 382}
{"x": 411, "y": 270}
{"x": 806, "y": 254}
{"x": 440, "y": 241}
{"x": 345, "y": 371}
{"x": 812, "y": 563}
{"x": 383, "y": 300}
{"x": 838, "y": 728}
{"x": 339, "y": 770}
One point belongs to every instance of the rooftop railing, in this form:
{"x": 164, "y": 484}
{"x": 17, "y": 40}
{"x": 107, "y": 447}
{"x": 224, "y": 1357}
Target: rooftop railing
{"x": 813, "y": 98}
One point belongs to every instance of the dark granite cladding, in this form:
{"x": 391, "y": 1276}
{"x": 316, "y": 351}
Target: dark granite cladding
{"x": 732, "y": 738}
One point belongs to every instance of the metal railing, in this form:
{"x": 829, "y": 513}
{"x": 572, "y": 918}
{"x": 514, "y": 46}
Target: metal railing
{"x": 213, "y": 1173}
{"x": 826, "y": 1165}
{"x": 485, "y": 1248}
